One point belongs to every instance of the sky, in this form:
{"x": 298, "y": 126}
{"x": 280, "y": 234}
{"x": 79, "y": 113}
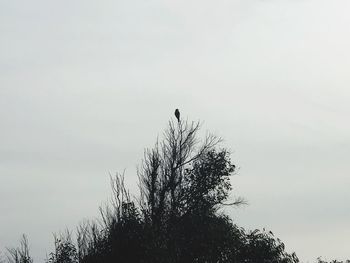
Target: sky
{"x": 85, "y": 86}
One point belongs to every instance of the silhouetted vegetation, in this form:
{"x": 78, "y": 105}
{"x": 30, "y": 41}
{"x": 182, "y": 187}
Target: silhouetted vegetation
{"x": 184, "y": 184}
{"x": 20, "y": 254}
{"x": 319, "y": 260}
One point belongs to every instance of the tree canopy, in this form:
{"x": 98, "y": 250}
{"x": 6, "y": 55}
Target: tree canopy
{"x": 184, "y": 182}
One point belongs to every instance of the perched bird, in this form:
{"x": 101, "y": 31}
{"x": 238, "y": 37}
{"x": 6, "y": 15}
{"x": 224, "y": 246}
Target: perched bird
{"x": 177, "y": 115}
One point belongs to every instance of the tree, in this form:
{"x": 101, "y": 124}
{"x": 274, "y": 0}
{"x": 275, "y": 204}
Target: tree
{"x": 184, "y": 182}
{"x": 181, "y": 173}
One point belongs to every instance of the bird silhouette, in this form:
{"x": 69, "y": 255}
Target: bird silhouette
{"x": 177, "y": 115}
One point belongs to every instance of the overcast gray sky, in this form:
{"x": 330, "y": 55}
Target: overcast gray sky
{"x": 86, "y": 85}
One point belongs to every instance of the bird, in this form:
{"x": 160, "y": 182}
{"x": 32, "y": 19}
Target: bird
{"x": 177, "y": 115}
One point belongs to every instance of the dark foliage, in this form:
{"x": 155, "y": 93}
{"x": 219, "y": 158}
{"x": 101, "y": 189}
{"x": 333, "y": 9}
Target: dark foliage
{"x": 177, "y": 218}
{"x": 319, "y": 260}
{"x": 65, "y": 250}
